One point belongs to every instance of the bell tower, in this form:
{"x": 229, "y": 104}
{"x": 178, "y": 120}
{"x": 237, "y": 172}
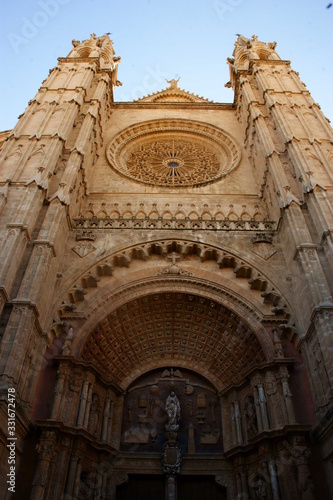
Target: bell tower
{"x": 289, "y": 143}
{"x": 43, "y": 178}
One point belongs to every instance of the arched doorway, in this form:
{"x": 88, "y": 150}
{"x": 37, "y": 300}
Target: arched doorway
{"x": 109, "y": 411}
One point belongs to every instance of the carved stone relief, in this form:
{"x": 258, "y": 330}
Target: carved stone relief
{"x": 83, "y": 249}
{"x": 251, "y": 417}
{"x": 94, "y": 415}
{"x": 173, "y": 163}
{"x": 173, "y": 326}
{"x": 173, "y": 153}
{"x": 158, "y": 407}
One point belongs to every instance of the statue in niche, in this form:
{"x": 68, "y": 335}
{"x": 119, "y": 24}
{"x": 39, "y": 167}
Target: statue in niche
{"x": 251, "y": 417}
{"x": 94, "y": 414}
{"x": 172, "y": 408}
{"x": 320, "y": 369}
{"x": 260, "y": 487}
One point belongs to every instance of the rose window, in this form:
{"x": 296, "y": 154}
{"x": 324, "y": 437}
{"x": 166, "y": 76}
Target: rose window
{"x": 173, "y": 155}
{"x": 173, "y": 163}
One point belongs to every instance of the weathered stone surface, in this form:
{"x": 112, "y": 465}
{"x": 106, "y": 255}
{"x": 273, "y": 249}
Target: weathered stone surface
{"x": 168, "y": 244}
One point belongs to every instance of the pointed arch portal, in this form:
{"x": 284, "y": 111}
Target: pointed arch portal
{"x": 173, "y": 328}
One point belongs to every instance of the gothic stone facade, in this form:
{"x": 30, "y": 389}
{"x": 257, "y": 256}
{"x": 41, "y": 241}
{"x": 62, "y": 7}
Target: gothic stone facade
{"x": 169, "y": 243}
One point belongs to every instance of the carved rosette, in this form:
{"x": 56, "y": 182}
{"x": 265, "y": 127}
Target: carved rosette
{"x": 173, "y": 162}
{"x": 173, "y": 153}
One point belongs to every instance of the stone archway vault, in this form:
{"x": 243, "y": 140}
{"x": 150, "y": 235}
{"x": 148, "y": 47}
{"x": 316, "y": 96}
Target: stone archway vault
{"x": 175, "y": 327}
{"x": 129, "y": 275}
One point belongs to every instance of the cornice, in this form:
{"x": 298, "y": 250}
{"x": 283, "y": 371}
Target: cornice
{"x": 261, "y": 369}
{"x": 265, "y": 437}
{"x": 269, "y": 62}
{"x": 80, "y": 363}
{"x": 174, "y": 105}
{"x": 74, "y": 433}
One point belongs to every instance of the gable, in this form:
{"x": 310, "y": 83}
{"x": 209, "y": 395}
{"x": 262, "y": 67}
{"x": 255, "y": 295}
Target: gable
{"x": 172, "y": 94}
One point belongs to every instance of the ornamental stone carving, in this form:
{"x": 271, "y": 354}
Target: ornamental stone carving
{"x": 173, "y": 153}
{"x": 251, "y": 417}
{"x": 172, "y": 408}
{"x": 173, "y": 163}
{"x": 172, "y": 454}
{"x": 196, "y": 322}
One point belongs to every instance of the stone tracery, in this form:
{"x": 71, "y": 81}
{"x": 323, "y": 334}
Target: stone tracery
{"x": 173, "y": 163}
{"x": 201, "y": 152}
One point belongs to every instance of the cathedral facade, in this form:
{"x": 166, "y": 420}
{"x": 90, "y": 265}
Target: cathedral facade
{"x": 166, "y": 287}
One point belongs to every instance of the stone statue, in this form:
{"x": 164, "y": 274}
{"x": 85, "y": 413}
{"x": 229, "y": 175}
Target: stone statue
{"x": 261, "y": 488}
{"x": 251, "y": 417}
{"x": 173, "y": 83}
{"x": 67, "y": 347}
{"x": 172, "y": 408}
{"x": 94, "y": 414}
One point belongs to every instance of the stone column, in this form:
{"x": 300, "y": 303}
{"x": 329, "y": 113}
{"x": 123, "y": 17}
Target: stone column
{"x": 238, "y": 420}
{"x": 98, "y": 483}
{"x": 171, "y": 488}
{"x": 88, "y": 405}
{"x": 83, "y": 402}
{"x": 46, "y": 451}
{"x": 71, "y": 475}
{"x": 307, "y": 257}
{"x": 245, "y": 487}
{"x": 106, "y": 476}
{"x": 111, "y": 487}
{"x": 106, "y": 414}
{"x": 273, "y": 478}
{"x": 263, "y": 405}
{"x": 15, "y": 234}
{"x": 77, "y": 479}
{"x": 110, "y": 422}
{"x": 15, "y": 343}
{"x": 239, "y": 486}
{"x": 257, "y": 407}
{"x": 58, "y": 479}
{"x": 233, "y": 424}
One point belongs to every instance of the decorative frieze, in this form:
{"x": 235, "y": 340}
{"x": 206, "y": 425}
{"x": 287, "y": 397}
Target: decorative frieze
{"x": 174, "y": 224}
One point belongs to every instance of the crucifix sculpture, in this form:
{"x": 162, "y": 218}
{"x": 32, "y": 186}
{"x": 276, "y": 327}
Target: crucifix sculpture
{"x": 174, "y": 257}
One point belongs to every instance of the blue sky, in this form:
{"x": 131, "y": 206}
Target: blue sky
{"x": 162, "y": 39}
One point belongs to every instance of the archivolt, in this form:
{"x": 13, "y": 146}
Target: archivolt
{"x": 80, "y": 296}
{"x": 174, "y": 323}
